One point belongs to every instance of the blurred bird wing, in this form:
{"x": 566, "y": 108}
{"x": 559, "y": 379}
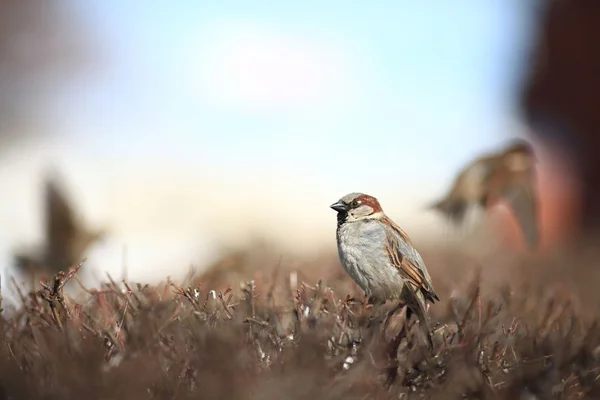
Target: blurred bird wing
{"x": 519, "y": 193}
{"x": 403, "y": 256}
{"x": 468, "y": 188}
{"x": 61, "y": 227}
{"x": 476, "y": 175}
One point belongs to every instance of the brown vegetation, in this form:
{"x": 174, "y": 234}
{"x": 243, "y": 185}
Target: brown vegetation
{"x": 279, "y": 337}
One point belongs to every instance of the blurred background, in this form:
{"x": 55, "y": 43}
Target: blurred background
{"x": 188, "y": 128}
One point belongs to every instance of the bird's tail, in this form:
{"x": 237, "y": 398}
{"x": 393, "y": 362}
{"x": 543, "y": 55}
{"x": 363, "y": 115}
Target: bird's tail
{"x": 416, "y": 305}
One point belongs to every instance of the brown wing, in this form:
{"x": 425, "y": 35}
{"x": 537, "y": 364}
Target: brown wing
{"x": 519, "y": 193}
{"x": 61, "y": 228}
{"x": 405, "y": 257}
{"x": 467, "y": 189}
{"x": 516, "y": 186}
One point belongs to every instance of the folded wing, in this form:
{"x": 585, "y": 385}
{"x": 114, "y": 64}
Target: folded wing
{"x": 410, "y": 265}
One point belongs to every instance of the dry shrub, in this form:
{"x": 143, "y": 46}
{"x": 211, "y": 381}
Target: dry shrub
{"x": 271, "y": 338}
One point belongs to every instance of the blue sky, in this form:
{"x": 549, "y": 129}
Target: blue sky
{"x": 426, "y": 76}
{"x": 214, "y": 119}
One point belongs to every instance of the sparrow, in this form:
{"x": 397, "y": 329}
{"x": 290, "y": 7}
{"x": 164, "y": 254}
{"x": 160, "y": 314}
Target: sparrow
{"x": 65, "y": 238}
{"x": 380, "y": 257}
{"x": 508, "y": 175}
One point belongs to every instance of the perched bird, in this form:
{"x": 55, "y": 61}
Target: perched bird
{"x": 380, "y": 257}
{"x": 508, "y": 175}
{"x": 65, "y": 239}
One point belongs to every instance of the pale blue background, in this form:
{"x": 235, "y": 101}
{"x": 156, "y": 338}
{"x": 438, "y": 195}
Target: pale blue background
{"x": 422, "y": 87}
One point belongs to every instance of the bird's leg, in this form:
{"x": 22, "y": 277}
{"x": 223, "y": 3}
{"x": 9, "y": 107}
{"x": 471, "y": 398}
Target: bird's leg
{"x": 417, "y": 307}
{"x": 388, "y": 315}
{"x": 394, "y": 344}
{"x": 368, "y": 302}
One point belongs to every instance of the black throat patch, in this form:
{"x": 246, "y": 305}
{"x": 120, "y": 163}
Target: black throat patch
{"x": 341, "y": 218}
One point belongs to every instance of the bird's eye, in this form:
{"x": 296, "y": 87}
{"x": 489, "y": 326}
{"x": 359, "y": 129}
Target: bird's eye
{"x": 354, "y": 203}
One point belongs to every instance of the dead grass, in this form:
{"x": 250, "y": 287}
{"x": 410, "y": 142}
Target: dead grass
{"x": 287, "y": 335}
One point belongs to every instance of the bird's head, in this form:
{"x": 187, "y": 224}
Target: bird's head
{"x": 357, "y": 206}
{"x": 519, "y": 155}
{"x": 519, "y": 145}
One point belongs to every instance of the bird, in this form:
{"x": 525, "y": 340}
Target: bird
{"x": 380, "y": 257}
{"x": 66, "y": 239}
{"x": 508, "y": 175}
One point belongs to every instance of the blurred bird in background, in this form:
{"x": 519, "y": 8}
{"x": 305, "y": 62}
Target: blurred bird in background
{"x": 42, "y": 47}
{"x": 509, "y": 176}
{"x": 66, "y": 237}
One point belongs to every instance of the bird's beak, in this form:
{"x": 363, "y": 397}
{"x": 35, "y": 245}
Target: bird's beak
{"x": 339, "y": 207}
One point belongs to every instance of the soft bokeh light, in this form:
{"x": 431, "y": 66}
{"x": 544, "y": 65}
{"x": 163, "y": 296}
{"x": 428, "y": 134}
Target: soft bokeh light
{"x": 242, "y": 65}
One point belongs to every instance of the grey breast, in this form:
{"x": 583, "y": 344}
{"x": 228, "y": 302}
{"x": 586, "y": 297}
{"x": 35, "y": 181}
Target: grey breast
{"x": 361, "y": 247}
